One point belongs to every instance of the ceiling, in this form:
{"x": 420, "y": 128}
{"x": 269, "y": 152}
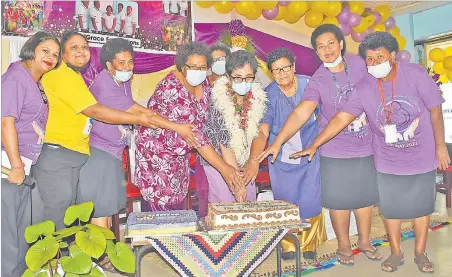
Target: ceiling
{"x": 393, "y": 5}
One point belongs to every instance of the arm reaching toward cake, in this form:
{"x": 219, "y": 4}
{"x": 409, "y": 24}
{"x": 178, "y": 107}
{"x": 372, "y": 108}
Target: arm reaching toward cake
{"x": 251, "y": 169}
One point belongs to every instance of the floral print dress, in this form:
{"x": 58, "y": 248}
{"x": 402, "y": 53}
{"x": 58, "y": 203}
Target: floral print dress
{"x": 162, "y": 156}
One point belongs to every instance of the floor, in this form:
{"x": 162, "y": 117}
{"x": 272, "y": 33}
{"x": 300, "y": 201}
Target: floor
{"x": 439, "y": 249}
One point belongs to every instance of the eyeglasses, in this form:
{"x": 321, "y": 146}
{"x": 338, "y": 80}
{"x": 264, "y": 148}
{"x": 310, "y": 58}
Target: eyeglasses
{"x": 239, "y": 79}
{"x": 43, "y": 95}
{"x": 195, "y": 67}
{"x": 219, "y": 59}
{"x": 276, "y": 71}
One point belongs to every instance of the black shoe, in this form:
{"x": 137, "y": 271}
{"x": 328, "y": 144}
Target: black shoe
{"x": 288, "y": 255}
{"x": 310, "y": 255}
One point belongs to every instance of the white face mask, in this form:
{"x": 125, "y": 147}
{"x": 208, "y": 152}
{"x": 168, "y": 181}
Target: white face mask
{"x": 380, "y": 70}
{"x": 333, "y": 64}
{"x": 219, "y": 67}
{"x": 241, "y": 88}
{"x": 196, "y": 77}
{"x": 123, "y": 76}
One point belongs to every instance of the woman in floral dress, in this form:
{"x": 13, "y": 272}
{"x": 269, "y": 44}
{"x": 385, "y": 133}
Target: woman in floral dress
{"x": 162, "y": 155}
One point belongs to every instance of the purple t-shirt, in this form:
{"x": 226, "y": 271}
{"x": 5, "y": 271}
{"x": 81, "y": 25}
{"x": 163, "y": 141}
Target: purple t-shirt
{"x": 355, "y": 140}
{"x": 108, "y": 137}
{"x": 22, "y": 99}
{"x": 415, "y": 93}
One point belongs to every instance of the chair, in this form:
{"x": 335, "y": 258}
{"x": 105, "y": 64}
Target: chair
{"x": 192, "y": 185}
{"x": 446, "y": 185}
{"x": 133, "y": 194}
{"x": 263, "y": 177}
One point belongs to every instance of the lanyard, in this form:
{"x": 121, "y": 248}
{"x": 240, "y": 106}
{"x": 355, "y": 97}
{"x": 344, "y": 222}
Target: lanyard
{"x": 348, "y": 79}
{"x": 382, "y": 96}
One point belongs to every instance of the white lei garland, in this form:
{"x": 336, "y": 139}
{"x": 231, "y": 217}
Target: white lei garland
{"x": 240, "y": 140}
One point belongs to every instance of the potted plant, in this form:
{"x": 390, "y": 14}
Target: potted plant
{"x": 86, "y": 244}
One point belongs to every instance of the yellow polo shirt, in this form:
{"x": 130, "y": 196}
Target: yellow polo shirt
{"x": 68, "y": 96}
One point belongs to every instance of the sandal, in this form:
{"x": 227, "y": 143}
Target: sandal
{"x": 107, "y": 265}
{"x": 424, "y": 264}
{"x": 392, "y": 263}
{"x": 377, "y": 256}
{"x": 343, "y": 259}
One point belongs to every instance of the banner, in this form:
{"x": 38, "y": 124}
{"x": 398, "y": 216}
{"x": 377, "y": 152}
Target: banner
{"x": 156, "y": 26}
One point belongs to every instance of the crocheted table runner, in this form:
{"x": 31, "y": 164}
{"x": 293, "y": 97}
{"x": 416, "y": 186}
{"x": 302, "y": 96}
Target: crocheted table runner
{"x": 218, "y": 254}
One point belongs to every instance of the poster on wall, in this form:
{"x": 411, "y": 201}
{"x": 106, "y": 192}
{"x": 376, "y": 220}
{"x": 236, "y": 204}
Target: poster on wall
{"x": 157, "y": 26}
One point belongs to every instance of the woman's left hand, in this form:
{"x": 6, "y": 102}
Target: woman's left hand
{"x": 442, "y": 155}
{"x": 250, "y": 171}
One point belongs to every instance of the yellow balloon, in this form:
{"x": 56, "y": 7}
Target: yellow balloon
{"x": 333, "y": 9}
{"x": 361, "y": 28}
{"x": 447, "y": 63}
{"x": 244, "y": 7}
{"x": 318, "y": 6}
{"x": 290, "y": 18}
{"x": 436, "y": 55}
{"x": 255, "y": 13}
{"x": 357, "y": 7}
{"x": 443, "y": 79}
{"x": 379, "y": 28}
{"x": 448, "y": 51}
{"x": 449, "y": 75}
{"x": 313, "y": 19}
{"x": 204, "y": 4}
{"x": 402, "y": 42}
{"x": 281, "y": 13}
{"x": 297, "y": 9}
{"x": 370, "y": 19}
{"x": 384, "y": 11}
{"x": 330, "y": 20}
{"x": 395, "y": 31}
{"x": 268, "y": 5}
{"x": 438, "y": 68}
{"x": 223, "y": 6}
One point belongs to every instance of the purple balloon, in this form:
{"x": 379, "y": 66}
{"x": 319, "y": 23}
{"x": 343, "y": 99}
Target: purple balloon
{"x": 358, "y": 37}
{"x": 270, "y": 14}
{"x": 344, "y": 15}
{"x": 390, "y": 23}
{"x": 345, "y": 28}
{"x": 403, "y": 56}
{"x": 354, "y": 20}
{"x": 283, "y": 3}
{"x": 377, "y": 17}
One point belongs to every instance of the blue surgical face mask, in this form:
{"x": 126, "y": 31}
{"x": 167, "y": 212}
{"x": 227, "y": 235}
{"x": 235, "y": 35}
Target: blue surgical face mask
{"x": 333, "y": 64}
{"x": 196, "y": 77}
{"x": 123, "y": 76}
{"x": 241, "y": 88}
{"x": 219, "y": 67}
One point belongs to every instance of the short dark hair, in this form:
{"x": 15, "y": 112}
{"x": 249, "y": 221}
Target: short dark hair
{"x": 219, "y": 47}
{"x": 280, "y": 53}
{"x": 328, "y": 28}
{"x": 67, "y": 35}
{"x": 28, "y": 50}
{"x": 193, "y": 48}
{"x": 239, "y": 59}
{"x": 120, "y": 4}
{"x": 113, "y": 47}
{"x": 378, "y": 40}
{"x": 129, "y": 7}
{"x": 108, "y": 6}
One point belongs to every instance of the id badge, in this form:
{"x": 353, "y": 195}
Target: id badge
{"x": 88, "y": 126}
{"x": 390, "y": 131}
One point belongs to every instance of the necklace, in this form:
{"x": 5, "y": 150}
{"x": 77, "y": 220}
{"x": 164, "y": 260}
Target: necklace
{"x": 241, "y": 109}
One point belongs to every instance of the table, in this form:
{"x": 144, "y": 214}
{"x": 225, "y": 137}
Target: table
{"x": 205, "y": 253}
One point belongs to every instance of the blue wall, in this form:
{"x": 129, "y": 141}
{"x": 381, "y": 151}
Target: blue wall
{"x": 433, "y": 22}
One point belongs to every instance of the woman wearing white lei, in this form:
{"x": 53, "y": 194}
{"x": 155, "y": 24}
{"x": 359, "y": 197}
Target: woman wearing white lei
{"x": 238, "y": 106}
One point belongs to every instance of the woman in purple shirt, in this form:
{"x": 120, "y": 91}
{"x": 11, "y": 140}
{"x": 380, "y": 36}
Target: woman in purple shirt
{"x": 403, "y": 105}
{"x": 344, "y": 159}
{"x": 24, "y": 117}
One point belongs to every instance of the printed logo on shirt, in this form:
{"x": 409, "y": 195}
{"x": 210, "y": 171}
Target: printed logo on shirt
{"x": 405, "y": 116}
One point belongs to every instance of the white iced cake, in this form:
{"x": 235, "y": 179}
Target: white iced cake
{"x": 162, "y": 222}
{"x": 252, "y": 215}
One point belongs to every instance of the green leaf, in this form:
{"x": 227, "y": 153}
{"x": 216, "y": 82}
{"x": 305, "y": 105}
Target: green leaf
{"x": 56, "y": 275}
{"x": 92, "y": 244}
{"x": 33, "y": 232}
{"x": 121, "y": 256}
{"x": 71, "y": 275}
{"x": 38, "y": 273}
{"x": 64, "y": 245}
{"x": 78, "y": 262}
{"x": 53, "y": 262}
{"x": 41, "y": 252}
{"x": 67, "y": 232}
{"x": 95, "y": 272}
{"x": 81, "y": 211}
{"x": 107, "y": 232}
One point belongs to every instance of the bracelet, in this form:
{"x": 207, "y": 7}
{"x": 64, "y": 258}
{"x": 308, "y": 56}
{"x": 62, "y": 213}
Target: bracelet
{"x": 18, "y": 167}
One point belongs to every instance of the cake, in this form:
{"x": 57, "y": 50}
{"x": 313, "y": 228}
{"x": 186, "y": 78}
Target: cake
{"x": 245, "y": 215}
{"x": 162, "y": 222}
